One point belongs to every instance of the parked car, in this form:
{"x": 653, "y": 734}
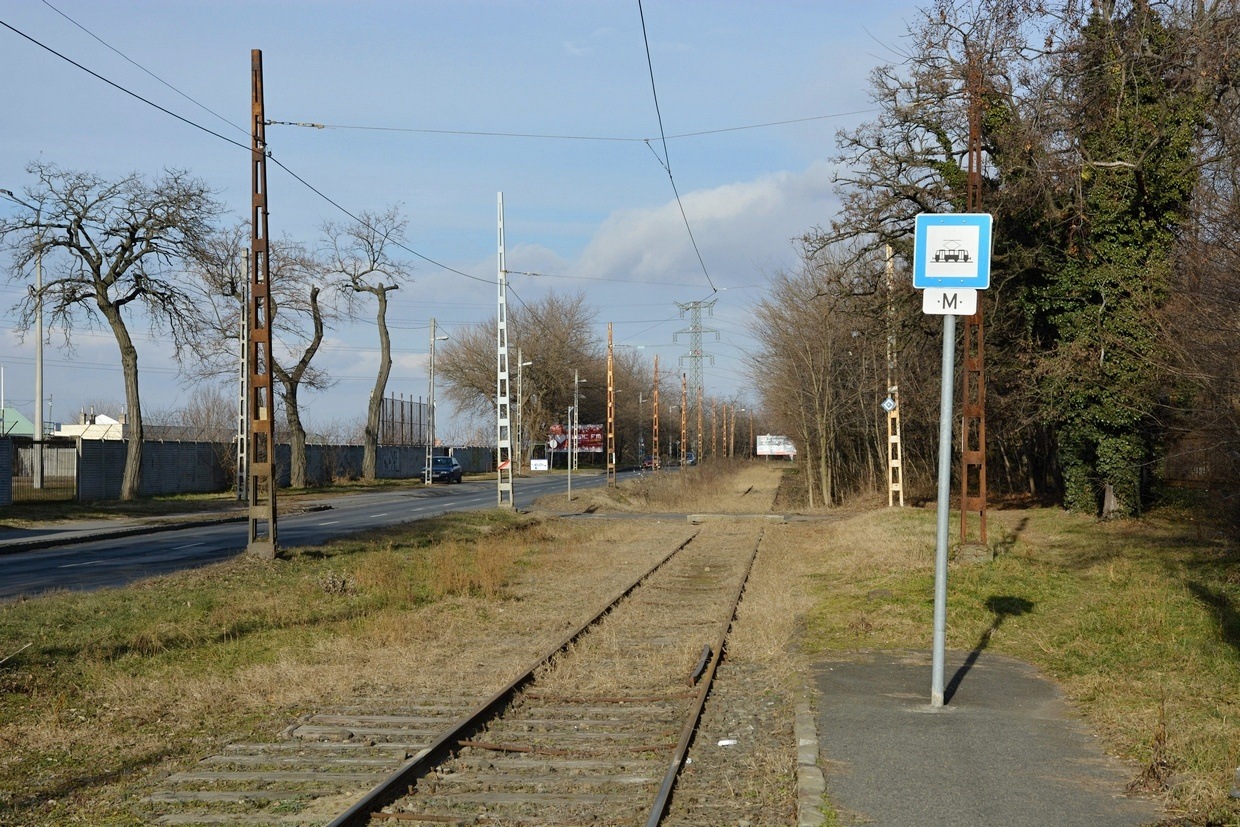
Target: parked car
{"x": 445, "y": 469}
{"x": 648, "y": 462}
{"x": 690, "y": 458}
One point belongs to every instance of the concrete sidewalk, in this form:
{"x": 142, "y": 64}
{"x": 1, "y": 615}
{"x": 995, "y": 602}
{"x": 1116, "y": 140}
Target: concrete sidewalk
{"x": 1005, "y": 750}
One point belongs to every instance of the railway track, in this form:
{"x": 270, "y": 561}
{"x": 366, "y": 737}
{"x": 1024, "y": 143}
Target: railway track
{"x": 593, "y": 733}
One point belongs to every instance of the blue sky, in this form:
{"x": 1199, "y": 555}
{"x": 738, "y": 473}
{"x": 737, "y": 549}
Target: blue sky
{"x": 396, "y": 83}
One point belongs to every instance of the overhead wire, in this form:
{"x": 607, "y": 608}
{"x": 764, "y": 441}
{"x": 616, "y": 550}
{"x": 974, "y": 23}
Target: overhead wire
{"x": 126, "y": 57}
{"x": 246, "y": 147}
{"x": 556, "y": 137}
{"x": 120, "y": 88}
{"x": 666, "y": 160}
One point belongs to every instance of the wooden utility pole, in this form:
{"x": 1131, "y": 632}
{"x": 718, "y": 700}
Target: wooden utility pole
{"x": 714, "y": 430}
{"x": 700, "y": 449}
{"x": 262, "y": 482}
{"x": 973, "y": 427}
{"x": 684, "y": 417}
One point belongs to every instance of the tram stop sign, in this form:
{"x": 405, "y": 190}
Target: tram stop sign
{"x": 952, "y": 251}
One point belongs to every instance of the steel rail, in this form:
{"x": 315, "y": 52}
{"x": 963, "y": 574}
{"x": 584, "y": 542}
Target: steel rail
{"x": 664, "y": 798}
{"x": 395, "y": 785}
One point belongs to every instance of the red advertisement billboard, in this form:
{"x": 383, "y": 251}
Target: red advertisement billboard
{"x": 590, "y": 439}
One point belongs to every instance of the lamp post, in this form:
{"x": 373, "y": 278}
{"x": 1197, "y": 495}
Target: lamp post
{"x": 738, "y": 410}
{"x": 575, "y": 434}
{"x": 641, "y": 430}
{"x": 520, "y": 401}
{"x": 37, "y": 481}
{"x": 569, "y": 454}
{"x": 430, "y": 409}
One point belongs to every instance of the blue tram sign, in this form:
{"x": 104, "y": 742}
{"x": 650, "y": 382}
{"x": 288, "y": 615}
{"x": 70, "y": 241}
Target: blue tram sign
{"x": 952, "y": 250}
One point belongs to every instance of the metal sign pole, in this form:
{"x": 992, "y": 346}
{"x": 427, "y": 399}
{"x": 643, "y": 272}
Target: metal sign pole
{"x": 944, "y": 509}
{"x": 951, "y": 263}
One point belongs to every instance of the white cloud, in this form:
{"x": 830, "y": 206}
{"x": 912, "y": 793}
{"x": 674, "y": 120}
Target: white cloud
{"x": 734, "y": 225}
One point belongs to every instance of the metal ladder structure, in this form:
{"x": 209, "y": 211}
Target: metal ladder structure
{"x": 503, "y": 400}
{"x": 895, "y": 450}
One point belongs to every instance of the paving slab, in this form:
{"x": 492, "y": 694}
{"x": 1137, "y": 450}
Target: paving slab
{"x": 1006, "y": 749}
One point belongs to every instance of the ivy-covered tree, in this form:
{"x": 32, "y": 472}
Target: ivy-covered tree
{"x": 1137, "y": 112}
{"x": 1092, "y": 127}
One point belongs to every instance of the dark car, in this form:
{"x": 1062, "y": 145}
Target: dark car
{"x": 445, "y": 469}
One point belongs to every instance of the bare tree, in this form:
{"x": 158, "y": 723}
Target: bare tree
{"x": 114, "y": 248}
{"x": 556, "y": 334}
{"x": 300, "y": 316}
{"x": 361, "y": 253}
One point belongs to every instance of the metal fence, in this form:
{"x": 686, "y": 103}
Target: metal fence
{"x": 403, "y": 421}
{"x": 92, "y": 470}
{"x": 59, "y": 479}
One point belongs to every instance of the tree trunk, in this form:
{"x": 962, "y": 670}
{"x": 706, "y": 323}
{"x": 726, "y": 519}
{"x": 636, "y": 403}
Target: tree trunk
{"x": 132, "y": 480}
{"x": 370, "y": 449}
{"x": 296, "y": 439}
{"x": 291, "y": 381}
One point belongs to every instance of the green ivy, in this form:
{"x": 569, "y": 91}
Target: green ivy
{"x": 1104, "y": 374}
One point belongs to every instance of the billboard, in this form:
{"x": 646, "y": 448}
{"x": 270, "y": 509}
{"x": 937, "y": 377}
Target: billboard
{"x": 773, "y": 445}
{"x": 590, "y": 439}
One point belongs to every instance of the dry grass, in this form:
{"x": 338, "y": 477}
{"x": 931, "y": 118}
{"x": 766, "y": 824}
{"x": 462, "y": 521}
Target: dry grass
{"x": 123, "y": 686}
{"x": 1136, "y": 620}
{"x": 720, "y": 487}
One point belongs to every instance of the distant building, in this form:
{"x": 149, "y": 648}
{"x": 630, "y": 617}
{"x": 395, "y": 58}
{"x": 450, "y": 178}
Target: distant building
{"x": 13, "y": 423}
{"x": 96, "y": 426}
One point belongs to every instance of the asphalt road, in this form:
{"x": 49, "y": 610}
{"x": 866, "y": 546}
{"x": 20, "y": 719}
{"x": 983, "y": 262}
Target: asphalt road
{"x": 82, "y": 564}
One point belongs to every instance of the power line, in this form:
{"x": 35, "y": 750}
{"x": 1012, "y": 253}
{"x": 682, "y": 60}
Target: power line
{"x": 462, "y": 132}
{"x": 144, "y": 69}
{"x": 599, "y": 278}
{"x": 474, "y": 133}
{"x": 120, "y": 88}
{"x": 212, "y": 132}
{"x": 667, "y": 161}
{"x": 404, "y": 247}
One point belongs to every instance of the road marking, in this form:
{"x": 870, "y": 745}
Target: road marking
{"x": 384, "y": 514}
{"x": 190, "y": 545}
{"x": 330, "y": 522}
{"x": 75, "y": 565}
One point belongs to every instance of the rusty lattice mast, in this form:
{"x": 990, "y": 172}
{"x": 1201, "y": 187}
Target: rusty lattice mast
{"x": 262, "y": 483}
{"x": 973, "y": 426}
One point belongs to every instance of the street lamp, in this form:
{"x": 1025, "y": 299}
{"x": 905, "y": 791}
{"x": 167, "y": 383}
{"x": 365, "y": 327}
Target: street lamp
{"x": 641, "y": 430}
{"x": 37, "y": 480}
{"x": 569, "y": 455}
{"x": 520, "y": 401}
{"x": 430, "y": 410}
{"x": 574, "y": 436}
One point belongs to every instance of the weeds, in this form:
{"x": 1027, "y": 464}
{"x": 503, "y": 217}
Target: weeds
{"x": 99, "y": 689}
{"x": 1136, "y": 619}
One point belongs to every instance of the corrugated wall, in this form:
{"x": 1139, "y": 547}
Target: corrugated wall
{"x": 197, "y": 467}
{"x": 6, "y": 471}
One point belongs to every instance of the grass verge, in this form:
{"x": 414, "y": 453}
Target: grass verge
{"x": 101, "y": 690}
{"x": 1139, "y": 621}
